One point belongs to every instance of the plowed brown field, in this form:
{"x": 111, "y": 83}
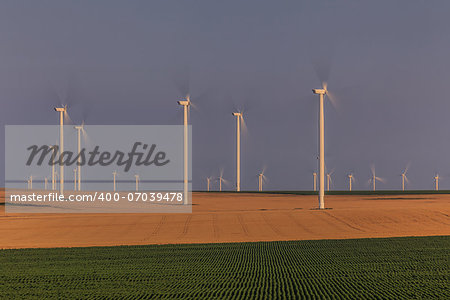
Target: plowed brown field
{"x": 231, "y": 217}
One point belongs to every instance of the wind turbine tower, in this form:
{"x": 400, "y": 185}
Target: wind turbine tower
{"x": 79, "y": 129}
{"x": 238, "y": 116}
{"x": 321, "y": 93}
{"x": 328, "y": 181}
{"x": 261, "y": 178}
{"x": 315, "y": 181}
{"x": 62, "y": 111}
{"x": 220, "y": 183}
{"x": 186, "y": 104}
{"x": 75, "y": 179}
{"x": 114, "y": 180}
{"x": 208, "y": 183}
{"x": 137, "y": 182}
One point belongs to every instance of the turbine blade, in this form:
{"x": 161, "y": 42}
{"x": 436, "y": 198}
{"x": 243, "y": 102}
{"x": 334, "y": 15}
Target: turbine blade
{"x": 380, "y": 179}
{"x": 407, "y": 167}
{"x": 244, "y": 128}
{"x": 333, "y": 100}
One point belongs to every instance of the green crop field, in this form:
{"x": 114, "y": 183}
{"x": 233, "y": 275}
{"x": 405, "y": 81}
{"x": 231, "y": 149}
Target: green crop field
{"x": 392, "y": 268}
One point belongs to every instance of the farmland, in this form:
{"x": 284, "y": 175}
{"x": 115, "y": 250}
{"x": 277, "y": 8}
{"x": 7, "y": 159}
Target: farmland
{"x": 226, "y": 218}
{"x": 415, "y": 267}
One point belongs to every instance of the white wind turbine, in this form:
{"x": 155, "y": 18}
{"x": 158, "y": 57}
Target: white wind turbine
{"x": 436, "y": 182}
{"x": 54, "y": 155}
{"x": 374, "y": 178}
{"x": 62, "y": 113}
{"x": 114, "y": 180}
{"x": 137, "y": 182}
{"x": 221, "y": 180}
{"x": 75, "y": 179}
{"x": 315, "y": 181}
{"x": 329, "y": 180}
{"x": 239, "y": 120}
{"x": 261, "y": 179}
{"x": 45, "y": 183}
{"x": 322, "y": 92}
{"x": 351, "y": 179}
{"x": 404, "y": 178}
{"x": 208, "y": 183}
{"x": 186, "y": 103}
{"x": 80, "y": 130}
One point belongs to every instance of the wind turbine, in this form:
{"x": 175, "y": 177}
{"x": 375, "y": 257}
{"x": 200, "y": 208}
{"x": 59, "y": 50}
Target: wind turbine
{"x": 75, "y": 179}
{"x": 186, "y": 103}
{"x": 404, "y": 178}
{"x": 62, "y": 112}
{"x": 315, "y": 181}
{"x": 261, "y": 178}
{"x": 329, "y": 180}
{"x": 374, "y": 178}
{"x": 114, "y": 180}
{"x": 436, "y": 182}
{"x": 53, "y": 166}
{"x": 208, "y": 183}
{"x": 351, "y": 179}
{"x": 239, "y": 119}
{"x": 30, "y": 180}
{"x": 221, "y": 180}
{"x": 322, "y": 92}
{"x": 80, "y": 129}
{"x": 137, "y": 182}
{"x": 45, "y": 183}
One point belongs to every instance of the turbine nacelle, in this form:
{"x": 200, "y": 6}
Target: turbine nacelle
{"x": 61, "y": 109}
{"x": 319, "y": 91}
{"x": 237, "y": 114}
{"x": 185, "y": 102}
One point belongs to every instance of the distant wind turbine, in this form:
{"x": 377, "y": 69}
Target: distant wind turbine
{"x": 221, "y": 180}
{"x": 75, "y": 179}
{"x": 114, "y": 180}
{"x": 261, "y": 179}
{"x": 404, "y": 178}
{"x": 436, "y": 182}
{"x": 351, "y": 179}
{"x": 208, "y": 183}
{"x": 374, "y": 178}
{"x": 329, "y": 180}
{"x": 54, "y": 155}
{"x": 80, "y": 130}
{"x": 315, "y": 181}
{"x": 137, "y": 182}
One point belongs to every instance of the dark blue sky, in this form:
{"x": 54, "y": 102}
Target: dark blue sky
{"x": 125, "y": 62}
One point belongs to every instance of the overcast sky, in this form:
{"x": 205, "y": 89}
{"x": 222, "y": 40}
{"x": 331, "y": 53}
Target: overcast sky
{"x": 128, "y": 62}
